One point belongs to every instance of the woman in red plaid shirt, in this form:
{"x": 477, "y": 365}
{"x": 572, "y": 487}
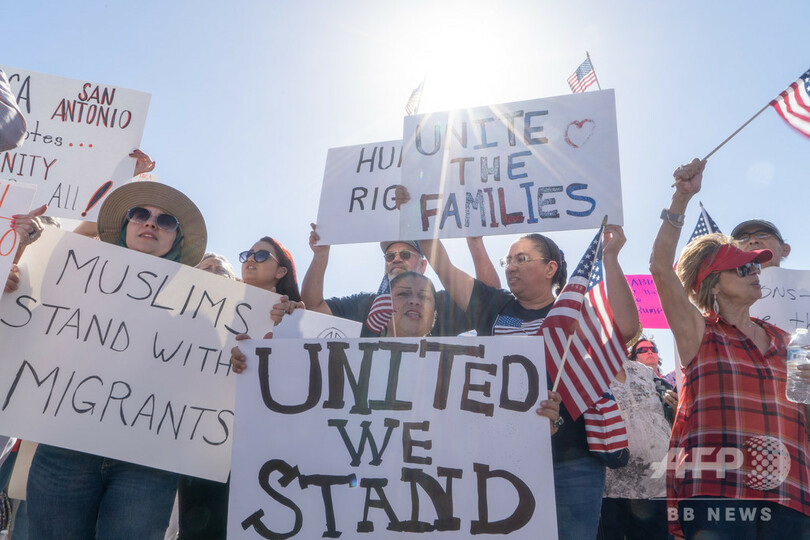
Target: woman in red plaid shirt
{"x": 738, "y": 461}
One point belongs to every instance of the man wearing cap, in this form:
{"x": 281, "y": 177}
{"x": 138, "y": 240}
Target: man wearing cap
{"x": 373, "y": 309}
{"x": 757, "y": 234}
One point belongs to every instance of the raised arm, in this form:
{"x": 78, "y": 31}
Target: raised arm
{"x": 312, "y": 286}
{"x": 12, "y": 121}
{"x": 484, "y": 269}
{"x": 620, "y": 296}
{"x": 685, "y": 320}
{"x": 455, "y": 281}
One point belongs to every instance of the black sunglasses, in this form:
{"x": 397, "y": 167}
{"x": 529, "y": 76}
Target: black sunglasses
{"x": 748, "y": 268}
{"x": 259, "y": 256}
{"x": 642, "y": 350}
{"x": 403, "y": 254}
{"x": 166, "y": 222}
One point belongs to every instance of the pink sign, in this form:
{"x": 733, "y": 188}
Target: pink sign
{"x": 650, "y": 313}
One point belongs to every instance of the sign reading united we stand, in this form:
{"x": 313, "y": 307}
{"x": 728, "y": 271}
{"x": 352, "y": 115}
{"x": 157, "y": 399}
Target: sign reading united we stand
{"x": 79, "y": 136}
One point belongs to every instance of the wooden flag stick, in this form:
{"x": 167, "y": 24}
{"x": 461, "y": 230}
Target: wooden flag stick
{"x": 571, "y": 335}
{"x": 588, "y": 56}
{"x": 719, "y": 146}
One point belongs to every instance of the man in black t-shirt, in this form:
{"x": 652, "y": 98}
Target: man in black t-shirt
{"x": 399, "y": 256}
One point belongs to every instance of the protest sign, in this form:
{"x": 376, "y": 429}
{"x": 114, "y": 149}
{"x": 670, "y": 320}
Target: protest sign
{"x": 357, "y": 196}
{"x": 303, "y": 323}
{"x": 79, "y": 136}
{"x": 434, "y": 435}
{"x": 117, "y": 353}
{"x": 785, "y": 298}
{"x": 541, "y": 165}
{"x": 14, "y": 199}
{"x": 650, "y": 312}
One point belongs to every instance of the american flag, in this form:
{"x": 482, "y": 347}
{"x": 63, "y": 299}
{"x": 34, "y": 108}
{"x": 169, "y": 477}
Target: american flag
{"x": 582, "y": 78}
{"x": 705, "y": 225}
{"x": 596, "y": 352}
{"x": 606, "y": 433}
{"x": 381, "y": 308}
{"x": 412, "y": 107}
{"x": 505, "y": 325}
{"x": 793, "y": 105}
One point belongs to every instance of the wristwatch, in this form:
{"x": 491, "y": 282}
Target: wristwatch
{"x": 676, "y": 220}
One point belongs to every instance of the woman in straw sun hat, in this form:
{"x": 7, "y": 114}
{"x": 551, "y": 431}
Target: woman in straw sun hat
{"x": 75, "y": 495}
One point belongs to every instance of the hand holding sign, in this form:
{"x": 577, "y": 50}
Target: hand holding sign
{"x": 28, "y": 226}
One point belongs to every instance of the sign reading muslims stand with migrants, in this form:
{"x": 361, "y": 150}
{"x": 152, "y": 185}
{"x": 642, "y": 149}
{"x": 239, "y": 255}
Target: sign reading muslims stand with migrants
{"x": 541, "y": 165}
{"x": 126, "y": 355}
{"x": 79, "y": 136}
{"x": 372, "y": 438}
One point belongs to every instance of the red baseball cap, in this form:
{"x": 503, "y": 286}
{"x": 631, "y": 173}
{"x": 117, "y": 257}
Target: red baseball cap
{"x": 729, "y": 257}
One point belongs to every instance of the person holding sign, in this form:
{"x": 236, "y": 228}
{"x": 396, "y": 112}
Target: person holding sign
{"x": 535, "y": 273}
{"x": 733, "y": 406}
{"x": 370, "y": 308}
{"x": 12, "y": 122}
{"x": 75, "y": 495}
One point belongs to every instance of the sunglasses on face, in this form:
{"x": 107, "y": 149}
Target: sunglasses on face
{"x": 520, "y": 260}
{"x": 166, "y": 222}
{"x": 642, "y": 350}
{"x": 404, "y": 255}
{"x": 259, "y": 256}
{"x": 758, "y": 235}
{"x": 747, "y": 268}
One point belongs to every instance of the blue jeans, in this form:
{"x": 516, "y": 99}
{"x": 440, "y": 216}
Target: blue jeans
{"x": 78, "y": 496}
{"x": 578, "y": 487}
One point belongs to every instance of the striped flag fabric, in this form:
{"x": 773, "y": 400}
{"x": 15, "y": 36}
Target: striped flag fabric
{"x": 606, "y": 433}
{"x": 596, "y": 350}
{"x": 705, "y": 225}
{"x": 793, "y": 105}
{"x": 412, "y": 107}
{"x": 382, "y": 309}
{"x": 505, "y": 325}
{"x": 582, "y": 78}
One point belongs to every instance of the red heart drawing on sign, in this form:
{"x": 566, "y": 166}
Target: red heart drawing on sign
{"x": 578, "y": 132}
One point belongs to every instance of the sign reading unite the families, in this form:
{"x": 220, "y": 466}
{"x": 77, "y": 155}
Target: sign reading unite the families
{"x": 79, "y": 136}
{"x": 541, "y": 165}
{"x": 118, "y": 353}
{"x": 373, "y": 438}
{"x": 785, "y": 298}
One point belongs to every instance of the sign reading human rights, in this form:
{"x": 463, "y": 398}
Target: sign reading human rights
{"x": 15, "y": 198}
{"x": 541, "y": 165}
{"x": 121, "y": 354}
{"x": 785, "y": 298}
{"x": 358, "y": 194}
{"x": 373, "y": 438}
{"x": 79, "y": 136}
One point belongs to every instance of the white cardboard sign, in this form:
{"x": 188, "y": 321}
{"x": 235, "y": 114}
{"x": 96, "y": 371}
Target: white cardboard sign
{"x": 121, "y": 354}
{"x": 785, "y": 298}
{"x": 79, "y": 136}
{"x": 357, "y": 196}
{"x": 541, "y": 165}
{"x": 370, "y": 438}
{"x": 303, "y": 323}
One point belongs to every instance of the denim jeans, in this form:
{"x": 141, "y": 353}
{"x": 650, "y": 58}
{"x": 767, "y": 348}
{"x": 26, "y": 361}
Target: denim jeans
{"x": 78, "y": 496}
{"x": 578, "y": 487}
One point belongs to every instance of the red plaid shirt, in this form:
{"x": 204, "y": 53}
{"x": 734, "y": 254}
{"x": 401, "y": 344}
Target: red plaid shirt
{"x": 733, "y": 397}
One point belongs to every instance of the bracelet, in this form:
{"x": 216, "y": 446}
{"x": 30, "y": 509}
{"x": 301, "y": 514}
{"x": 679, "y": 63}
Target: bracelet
{"x": 676, "y": 220}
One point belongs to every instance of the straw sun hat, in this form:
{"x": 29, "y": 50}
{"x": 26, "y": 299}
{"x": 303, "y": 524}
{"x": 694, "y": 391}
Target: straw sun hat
{"x": 114, "y": 210}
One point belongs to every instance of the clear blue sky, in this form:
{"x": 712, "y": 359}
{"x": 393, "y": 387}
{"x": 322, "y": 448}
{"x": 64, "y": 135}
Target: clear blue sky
{"x": 248, "y": 96}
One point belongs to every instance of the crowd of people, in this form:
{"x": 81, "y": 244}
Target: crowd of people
{"x": 732, "y": 365}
